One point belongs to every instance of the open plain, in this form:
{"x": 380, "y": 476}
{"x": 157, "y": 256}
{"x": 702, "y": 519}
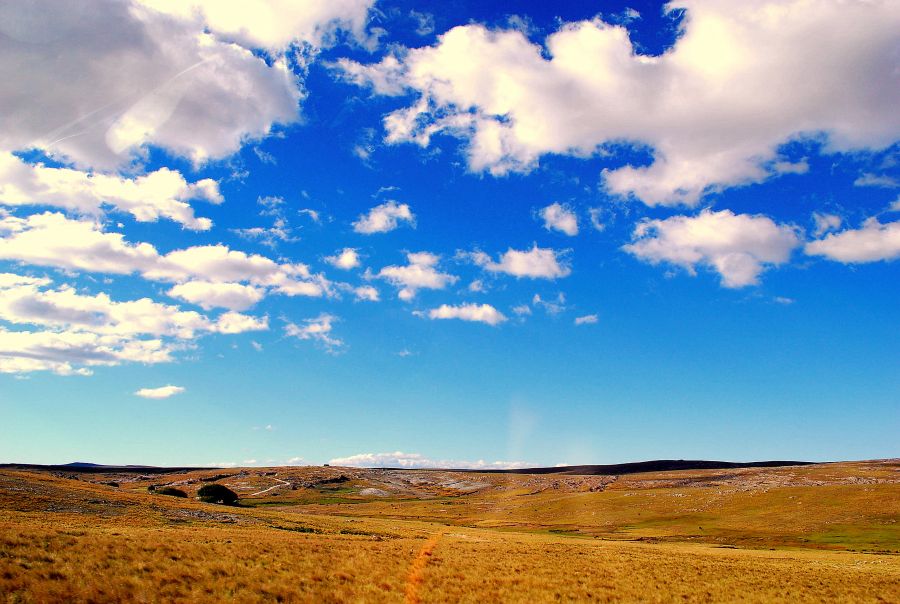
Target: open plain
{"x": 823, "y": 532}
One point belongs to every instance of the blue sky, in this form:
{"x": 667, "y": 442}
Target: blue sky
{"x": 396, "y": 233}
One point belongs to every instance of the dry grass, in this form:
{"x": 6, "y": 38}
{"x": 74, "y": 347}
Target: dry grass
{"x": 65, "y": 540}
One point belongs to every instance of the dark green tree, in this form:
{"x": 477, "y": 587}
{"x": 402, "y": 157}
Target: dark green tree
{"x": 170, "y": 491}
{"x": 217, "y": 493}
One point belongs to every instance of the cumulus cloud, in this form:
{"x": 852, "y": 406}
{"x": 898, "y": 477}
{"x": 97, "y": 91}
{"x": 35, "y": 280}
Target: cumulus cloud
{"x": 73, "y": 352}
{"x": 552, "y": 307}
{"x": 65, "y": 308}
{"x": 34, "y": 303}
{"x": 536, "y": 263}
{"x": 596, "y": 215}
{"x": 586, "y": 320}
{"x": 872, "y": 242}
{"x": 480, "y": 313}
{"x": 235, "y": 322}
{"x": 366, "y": 292}
{"x": 51, "y": 239}
{"x": 877, "y": 180}
{"x": 163, "y": 193}
{"x": 737, "y": 246}
{"x": 346, "y": 259}
{"x": 522, "y": 310}
{"x": 272, "y": 25}
{"x": 70, "y": 332}
{"x": 207, "y": 294}
{"x": 399, "y": 459}
{"x": 159, "y": 393}
{"x": 740, "y": 81}
{"x": 826, "y": 222}
{"x": 96, "y": 87}
{"x": 558, "y": 217}
{"x": 384, "y": 218}
{"x": 318, "y": 330}
{"x": 419, "y": 273}
{"x": 268, "y": 236}
{"x": 313, "y": 215}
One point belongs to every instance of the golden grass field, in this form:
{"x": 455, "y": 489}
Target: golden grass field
{"x": 821, "y": 533}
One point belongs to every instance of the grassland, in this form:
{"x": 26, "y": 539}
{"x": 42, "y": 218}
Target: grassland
{"x": 817, "y": 533}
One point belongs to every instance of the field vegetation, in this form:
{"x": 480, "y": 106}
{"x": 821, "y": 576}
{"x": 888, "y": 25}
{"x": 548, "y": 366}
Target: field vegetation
{"x": 826, "y": 532}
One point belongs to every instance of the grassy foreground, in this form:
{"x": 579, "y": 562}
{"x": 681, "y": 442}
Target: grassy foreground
{"x": 818, "y": 533}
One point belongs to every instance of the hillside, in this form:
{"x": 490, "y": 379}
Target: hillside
{"x": 825, "y": 531}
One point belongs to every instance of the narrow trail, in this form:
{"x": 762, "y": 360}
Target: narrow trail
{"x": 417, "y": 569}
{"x": 281, "y": 484}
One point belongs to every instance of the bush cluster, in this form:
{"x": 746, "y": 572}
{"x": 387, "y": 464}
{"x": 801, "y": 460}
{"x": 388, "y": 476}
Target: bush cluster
{"x": 217, "y": 493}
{"x": 172, "y": 491}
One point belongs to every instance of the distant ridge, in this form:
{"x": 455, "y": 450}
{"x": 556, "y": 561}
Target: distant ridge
{"x": 636, "y": 467}
{"x": 94, "y": 468}
{"x": 656, "y": 465}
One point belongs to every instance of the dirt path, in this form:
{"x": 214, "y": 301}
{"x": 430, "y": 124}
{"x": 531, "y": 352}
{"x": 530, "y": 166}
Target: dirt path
{"x": 417, "y": 568}
{"x": 281, "y": 484}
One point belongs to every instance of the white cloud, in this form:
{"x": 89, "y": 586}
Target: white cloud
{"x": 159, "y": 393}
{"x": 399, "y": 459}
{"x": 98, "y": 91}
{"x": 207, "y": 295}
{"x": 317, "y": 329}
{"x": 64, "y": 308}
{"x": 788, "y": 167}
{"x": 345, "y": 259}
{"x": 481, "y": 313}
{"x": 826, "y": 222}
{"x": 522, "y": 310}
{"x": 383, "y": 218}
{"x": 82, "y": 330}
{"x": 739, "y": 82}
{"x": 366, "y": 292}
{"x": 536, "y": 263}
{"x": 737, "y": 246}
{"x": 558, "y": 217}
{"x": 420, "y": 273}
{"x": 74, "y": 352}
{"x": 553, "y": 307}
{"x": 160, "y": 194}
{"x": 235, "y": 322}
{"x": 877, "y": 180}
{"x": 9, "y": 280}
{"x": 872, "y": 242}
{"x": 51, "y": 239}
{"x": 586, "y": 320}
{"x": 313, "y": 215}
{"x": 272, "y": 25}
{"x": 280, "y": 231}
{"x": 268, "y": 236}
{"x": 596, "y": 219}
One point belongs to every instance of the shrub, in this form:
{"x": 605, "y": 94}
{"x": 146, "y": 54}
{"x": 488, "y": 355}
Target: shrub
{"x": 171, "y": 491}
{"x": 217, "y": 493}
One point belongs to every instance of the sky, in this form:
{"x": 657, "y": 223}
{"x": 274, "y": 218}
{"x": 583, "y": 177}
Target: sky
{"x": 454, "y": 234}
